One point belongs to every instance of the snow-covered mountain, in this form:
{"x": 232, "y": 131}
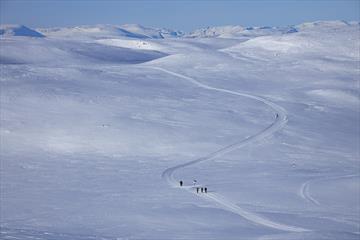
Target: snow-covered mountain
{"x": 18, "y": 30}
{"x": 141, "y": 32}
{"x": 110, "y": 31}
{"x": 239, "y": 31}
{"x": 98, "y": 124}
{"x": 103, "y": 31}
{"x": 96, "y": 31}
{"x": 325, "y": 25}
{"x": 306, "y": 41}
{"x": 152, "y": 32}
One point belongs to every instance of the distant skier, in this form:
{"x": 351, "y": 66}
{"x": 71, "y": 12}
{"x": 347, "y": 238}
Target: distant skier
{"x": 181, "y": 183}
{"x": 194, "y": 182}
{"x": 197, "y": 190}
{"x": 202, "y": 189}
{"x": 205, "y": 189}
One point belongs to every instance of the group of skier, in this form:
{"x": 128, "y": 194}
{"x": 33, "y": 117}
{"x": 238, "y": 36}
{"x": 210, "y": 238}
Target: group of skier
{"x": 202, "y": 189}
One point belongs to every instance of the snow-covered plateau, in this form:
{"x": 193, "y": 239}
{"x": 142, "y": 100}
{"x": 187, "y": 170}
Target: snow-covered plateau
{"x": 100, "y": 123}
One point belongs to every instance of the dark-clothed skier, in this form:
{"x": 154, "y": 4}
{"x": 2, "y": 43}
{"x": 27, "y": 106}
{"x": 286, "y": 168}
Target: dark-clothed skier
{"x": 197, "y": 190}
{"x": 181, "y": 183}
{"x": 202, "y": 189}
{"x": 205, "y": 189}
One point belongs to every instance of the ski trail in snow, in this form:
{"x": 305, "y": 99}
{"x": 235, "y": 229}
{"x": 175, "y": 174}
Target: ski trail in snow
{"x": 305, "y": 193}
{"x": 304, "y": 190}
{"x": 280, "y": 122}
{"x": 251, "y": 216}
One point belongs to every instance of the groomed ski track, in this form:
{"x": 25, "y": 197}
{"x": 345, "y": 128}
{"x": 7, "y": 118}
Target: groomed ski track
{"x": 280, "y": 120}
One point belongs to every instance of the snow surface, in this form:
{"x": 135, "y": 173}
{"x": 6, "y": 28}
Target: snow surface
{"x": 99, "y": 123}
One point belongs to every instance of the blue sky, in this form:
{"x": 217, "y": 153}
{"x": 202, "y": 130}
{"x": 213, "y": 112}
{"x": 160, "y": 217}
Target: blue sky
{"x": 177, "y": 14}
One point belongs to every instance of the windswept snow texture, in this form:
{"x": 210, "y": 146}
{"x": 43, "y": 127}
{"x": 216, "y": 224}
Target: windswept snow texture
{"x": 99, "y": 123}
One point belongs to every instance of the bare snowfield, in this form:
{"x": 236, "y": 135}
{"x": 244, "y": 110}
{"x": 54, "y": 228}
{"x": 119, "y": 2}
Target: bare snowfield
{"x": 99, "y": 123}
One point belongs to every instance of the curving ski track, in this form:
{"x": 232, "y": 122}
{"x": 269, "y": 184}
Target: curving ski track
{"x": 305, "y": 193}
{"x": 280, "y": 122}
{"x": 304, "y": 190}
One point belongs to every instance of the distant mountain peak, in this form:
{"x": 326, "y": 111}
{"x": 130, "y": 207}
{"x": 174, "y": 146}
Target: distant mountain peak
{"x": 18, "y": 30}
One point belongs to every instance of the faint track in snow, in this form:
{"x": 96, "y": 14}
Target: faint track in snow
{"x": 305, "y": 193}
{"x": 280, "y": 122}
{"x": 304, "y": 190}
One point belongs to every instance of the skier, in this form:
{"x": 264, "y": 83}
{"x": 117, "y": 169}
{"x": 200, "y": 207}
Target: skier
{"x": 197, "y": 190}
{"x": 205, "y": 189}
{"x": 202, "y": 189}
{"x": 194, "y": 182}
{"x": 181, "y": 183}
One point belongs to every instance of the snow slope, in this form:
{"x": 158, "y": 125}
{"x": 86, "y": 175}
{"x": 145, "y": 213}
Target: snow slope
{"x": 67, "y": 52}
{"x": 97, "y": 127}
{"x": 131, "y": 43}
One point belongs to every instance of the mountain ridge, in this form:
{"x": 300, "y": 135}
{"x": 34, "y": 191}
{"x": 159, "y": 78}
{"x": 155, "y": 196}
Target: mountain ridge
{"x": 142, "y": 32}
